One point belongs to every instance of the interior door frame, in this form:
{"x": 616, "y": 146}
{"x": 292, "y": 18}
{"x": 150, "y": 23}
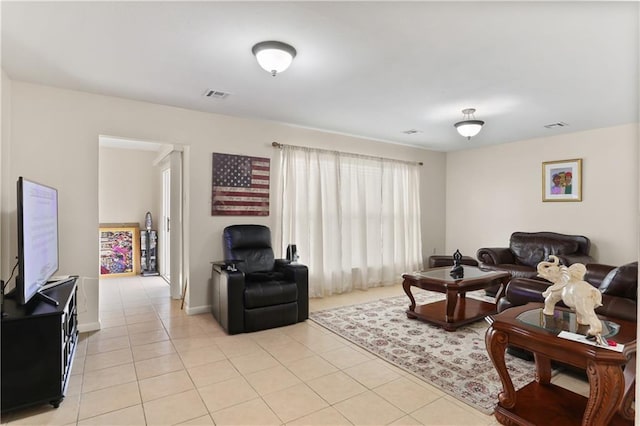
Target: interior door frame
{"x": 174, "y": 156}
{"x": 166, "y": 227}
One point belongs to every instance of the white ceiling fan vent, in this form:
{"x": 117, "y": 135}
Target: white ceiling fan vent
{"x": 411, "y": 131}
{"x": 217, "y": 94}
{"x": 556, "y": 125}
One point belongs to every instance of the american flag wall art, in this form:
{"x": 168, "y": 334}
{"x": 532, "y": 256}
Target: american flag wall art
{"x": 240, "y": 185}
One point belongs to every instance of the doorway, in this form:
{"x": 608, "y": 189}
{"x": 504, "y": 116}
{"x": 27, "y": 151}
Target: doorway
{"x": 161, "y": 168}
{"x": 172, "y": 207}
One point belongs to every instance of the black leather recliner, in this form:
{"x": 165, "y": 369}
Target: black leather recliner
{"x": 251, "y": 290}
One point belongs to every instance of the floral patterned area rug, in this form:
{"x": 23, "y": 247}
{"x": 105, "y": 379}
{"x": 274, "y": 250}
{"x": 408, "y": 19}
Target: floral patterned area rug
{"x": 455, "y": 362}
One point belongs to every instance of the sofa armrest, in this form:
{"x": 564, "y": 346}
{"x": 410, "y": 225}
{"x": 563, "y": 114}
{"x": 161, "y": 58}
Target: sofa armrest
{"x": 596, "y": 272}
{"x": 495, "y": 255}
{"x": 287, "y": 267}
{"x": 231, "y": 299}
{"x": 521, "y": 291}
{"x": 300, "y": 275}
{"x": 228, "y": 264}
{"x": 280, "y": 264}
{"x": 622, "y": 282}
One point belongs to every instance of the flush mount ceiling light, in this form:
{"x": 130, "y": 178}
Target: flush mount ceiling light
{"x": 274, "y": 56}
{"x": 469, "y": 127}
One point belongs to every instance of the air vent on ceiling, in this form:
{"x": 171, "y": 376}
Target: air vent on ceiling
{"x": 411, "y": 131}
{"x": 556, "y": 125}
{"x": 217, "y": 94}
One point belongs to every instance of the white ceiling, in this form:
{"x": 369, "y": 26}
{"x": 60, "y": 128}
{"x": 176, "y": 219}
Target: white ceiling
{"x": 370, "y": 69}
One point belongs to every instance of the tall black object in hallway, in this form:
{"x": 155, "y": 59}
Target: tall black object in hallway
{"x": 149, "y": 248}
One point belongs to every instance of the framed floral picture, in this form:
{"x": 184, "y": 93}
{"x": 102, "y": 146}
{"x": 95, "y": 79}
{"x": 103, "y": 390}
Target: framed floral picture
{"x": 562, "y": 180}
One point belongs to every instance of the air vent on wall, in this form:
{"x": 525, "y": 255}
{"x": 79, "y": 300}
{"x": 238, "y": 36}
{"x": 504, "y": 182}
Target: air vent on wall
{"x": 556, "y": 125}
{"x": 411, "y": 132}
{"x": 217, "y": 94}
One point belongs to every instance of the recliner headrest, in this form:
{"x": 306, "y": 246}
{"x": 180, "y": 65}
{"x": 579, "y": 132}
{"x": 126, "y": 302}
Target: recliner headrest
{"x": 246, "y": 236}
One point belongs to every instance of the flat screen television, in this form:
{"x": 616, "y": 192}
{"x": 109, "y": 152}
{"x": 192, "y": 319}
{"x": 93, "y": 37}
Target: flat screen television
{"x": 37, "y": 238}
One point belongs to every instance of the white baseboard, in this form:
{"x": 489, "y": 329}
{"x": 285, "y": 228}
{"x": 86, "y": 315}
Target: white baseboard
{"x": 91, "y": 326}
{"x": 206, "y": 309}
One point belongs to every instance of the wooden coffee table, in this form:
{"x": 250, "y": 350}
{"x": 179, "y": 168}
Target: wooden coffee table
{"x": 611, "y": 374}
{"x": 456, "y": 310}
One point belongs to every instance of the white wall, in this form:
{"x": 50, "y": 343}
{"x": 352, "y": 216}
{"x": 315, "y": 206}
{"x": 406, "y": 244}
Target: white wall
{"x": 5, "y": 133}
{"x": 432, "y": 202}
{"x": 129, "y": 186}
{"x": 494, "y": 191}
{"x": 53, "y": 126}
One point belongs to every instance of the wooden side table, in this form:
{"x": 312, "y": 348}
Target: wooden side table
{"x": 611, "y": 374}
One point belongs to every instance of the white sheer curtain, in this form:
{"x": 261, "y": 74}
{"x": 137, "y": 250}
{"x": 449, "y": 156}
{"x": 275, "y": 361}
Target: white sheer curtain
{"x": 354, "y": 219}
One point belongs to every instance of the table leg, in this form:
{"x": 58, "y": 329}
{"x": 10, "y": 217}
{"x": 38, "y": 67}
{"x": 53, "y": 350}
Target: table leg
{"x": 626, "y": 409}
{"x": 500, "y": 292}
{"x": 543, "y": 369}
{"x": 452, "y": 300}
{"x": 496, "y": 343}
{"x": 406, "y": 286}
{"x": 607, "y": 385}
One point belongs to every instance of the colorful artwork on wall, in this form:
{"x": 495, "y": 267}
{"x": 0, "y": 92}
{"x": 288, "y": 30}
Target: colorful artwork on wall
{"x": 562, "y": 180}
{"x": 119, "y": 251}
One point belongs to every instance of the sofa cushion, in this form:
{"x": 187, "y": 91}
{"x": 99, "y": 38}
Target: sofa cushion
{"x": 260, "y": 294}
{"x": 527, "y": 252}
{"x": 562, "y": 247}
{"x": 262, "y": 276}
{"x": 270, "y": 316}
{"x": 257, "y": 259}
{"x": 530, "y": 250}
{"x": 516, "y": 271}
{"x": 618, "y": 307}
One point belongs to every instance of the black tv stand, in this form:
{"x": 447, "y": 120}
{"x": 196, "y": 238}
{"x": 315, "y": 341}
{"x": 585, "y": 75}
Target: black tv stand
{"x": 44, "y": 298}
{"x": 38, "y": 344}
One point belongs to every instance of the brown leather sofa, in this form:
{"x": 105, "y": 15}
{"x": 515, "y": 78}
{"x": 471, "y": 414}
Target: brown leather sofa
{"x": 527, "y": 249}
{"x": 618, "y": 285}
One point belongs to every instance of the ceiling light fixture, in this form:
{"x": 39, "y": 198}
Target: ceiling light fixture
{"x": 469, "y": 127}
{"x": 274, "y": 56}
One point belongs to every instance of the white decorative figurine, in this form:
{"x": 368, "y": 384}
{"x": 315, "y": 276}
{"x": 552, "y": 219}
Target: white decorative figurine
{"x": 579, "y": 295}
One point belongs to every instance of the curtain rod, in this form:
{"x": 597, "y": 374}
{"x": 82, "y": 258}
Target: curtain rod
{"x": 373, "y": 157}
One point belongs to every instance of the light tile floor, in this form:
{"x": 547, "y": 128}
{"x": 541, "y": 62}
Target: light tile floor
{"x": 153, "y": 364}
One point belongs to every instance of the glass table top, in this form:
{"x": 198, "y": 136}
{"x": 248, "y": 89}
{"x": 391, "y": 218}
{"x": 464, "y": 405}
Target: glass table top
{"x": 564, "y": 321}
{"x": 443, "y": 274}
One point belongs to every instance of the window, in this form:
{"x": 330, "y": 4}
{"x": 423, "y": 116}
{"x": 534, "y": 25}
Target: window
{"x": 355, "y": 219}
